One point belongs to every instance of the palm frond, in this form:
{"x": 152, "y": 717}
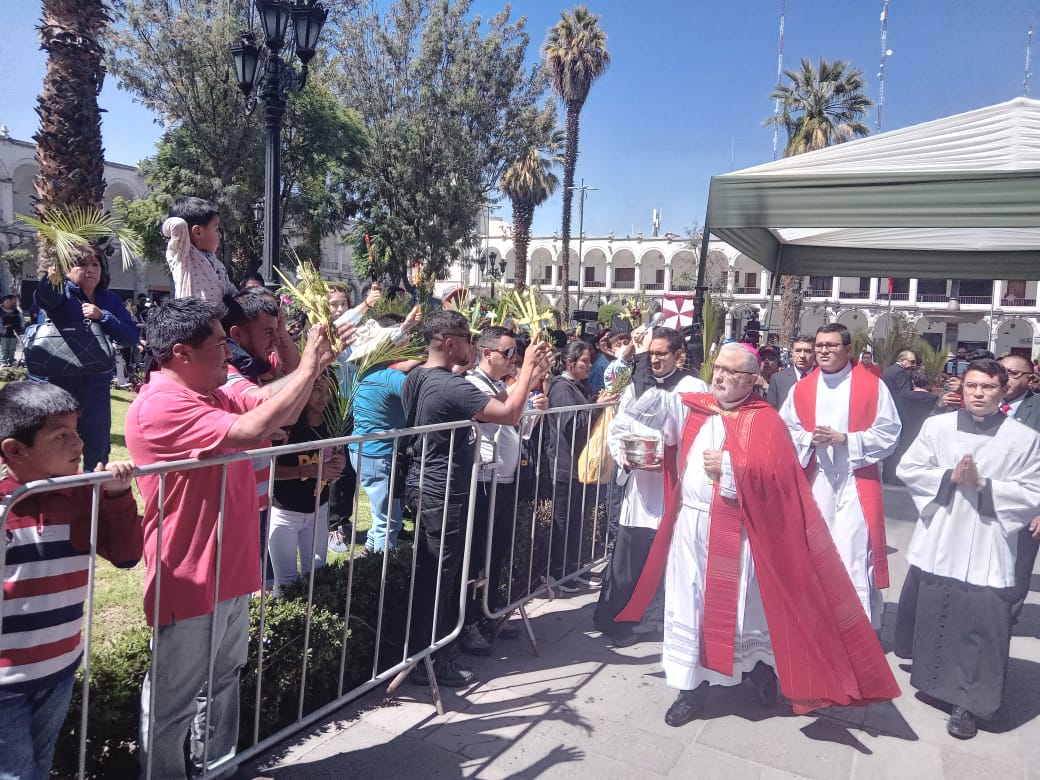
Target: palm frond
{"x": 67, "y": 230}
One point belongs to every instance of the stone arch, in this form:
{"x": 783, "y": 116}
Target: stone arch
{"x": 652, "y": 271}
{"x": 811, "y": 320}
{"x": 855, "y": 320}
{"x": 624, "y": 260}
{"x": 121, "y": 188}
{"x": 596, "y": 259}
{"x": 541, "y": 261}
{"x": 1014, "y": 334}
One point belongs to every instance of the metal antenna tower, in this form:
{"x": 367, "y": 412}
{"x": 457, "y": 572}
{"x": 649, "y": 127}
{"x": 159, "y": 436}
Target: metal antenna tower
{"x": 881, "y": 70}
{"x": 1029, "y": 61}
{"x": 779, "y": 75}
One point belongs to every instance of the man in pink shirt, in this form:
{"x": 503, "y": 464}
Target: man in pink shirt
{"x": 183, "y": 413}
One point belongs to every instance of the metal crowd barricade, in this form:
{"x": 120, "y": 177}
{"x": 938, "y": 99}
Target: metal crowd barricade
{"x": 536, "y": 581}
{"x": 394, "y": 672}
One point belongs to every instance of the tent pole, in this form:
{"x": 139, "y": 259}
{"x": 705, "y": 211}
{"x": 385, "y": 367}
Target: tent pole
{"x": 698, "y": 301}
{"x": 772, "y": 291}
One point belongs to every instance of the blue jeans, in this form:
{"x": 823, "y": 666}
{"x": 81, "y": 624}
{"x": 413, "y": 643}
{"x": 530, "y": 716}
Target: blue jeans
{"x": 29, "y": 726}
{"x": 374, "y": 476}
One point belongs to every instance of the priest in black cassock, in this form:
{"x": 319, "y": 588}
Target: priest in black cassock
{"x": 974, "y": 476}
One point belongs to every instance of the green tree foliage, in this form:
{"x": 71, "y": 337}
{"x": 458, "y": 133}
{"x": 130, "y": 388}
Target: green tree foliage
{"x": 173, "y": 57}
{"x": 575, "y": 53}
{"x": 819, "y": 108}
{"x": 447, "y": 103}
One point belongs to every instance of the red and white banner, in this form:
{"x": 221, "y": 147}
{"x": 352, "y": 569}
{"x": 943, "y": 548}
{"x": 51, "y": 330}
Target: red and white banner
{"x": 678, "y": 310}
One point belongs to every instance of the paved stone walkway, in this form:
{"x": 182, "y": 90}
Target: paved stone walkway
{"x": 583, "y": 710}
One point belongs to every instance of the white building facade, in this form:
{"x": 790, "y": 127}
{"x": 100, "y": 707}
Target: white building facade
{"x": 17, "y": 169}
{"x": 1000, "y": 315}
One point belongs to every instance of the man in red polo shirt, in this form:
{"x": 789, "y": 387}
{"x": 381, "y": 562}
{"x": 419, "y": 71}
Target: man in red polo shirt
{"x": 183, "y": 413}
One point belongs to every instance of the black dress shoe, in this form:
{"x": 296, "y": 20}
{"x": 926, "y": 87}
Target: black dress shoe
{"x": 764, "y": 679}
{"x": 624, "y": 639}
{"x": 962, "y": 724}
{"x": 688, "y": 705}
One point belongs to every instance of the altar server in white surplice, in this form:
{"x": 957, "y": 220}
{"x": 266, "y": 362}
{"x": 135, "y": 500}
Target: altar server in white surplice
{"x": 643, "y": 502}
{"x": 844, "y": 423}
{"x": 974, "y": 476}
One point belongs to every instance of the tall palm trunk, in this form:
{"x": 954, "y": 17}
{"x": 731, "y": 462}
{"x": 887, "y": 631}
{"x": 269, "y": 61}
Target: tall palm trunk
{"x": 790, "y": 308}
{"x": 68, "y": 143}
{"x": 523, "y": 216}
{"x": 570, "y": 162}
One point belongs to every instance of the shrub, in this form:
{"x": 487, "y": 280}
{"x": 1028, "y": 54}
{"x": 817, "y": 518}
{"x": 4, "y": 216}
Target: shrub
{"x": 119, "y": 665}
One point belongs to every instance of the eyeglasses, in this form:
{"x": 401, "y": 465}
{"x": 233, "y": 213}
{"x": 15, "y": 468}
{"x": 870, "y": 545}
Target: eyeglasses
{"x": 508, "y": 354}
{"x": 716, "y": 368}
{"x": 827, "y": 347}
{"x": 986, "y": 387}
{"x": 1018, "y": 374}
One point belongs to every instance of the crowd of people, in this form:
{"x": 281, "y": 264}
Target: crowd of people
{"x": 752, "y": 543}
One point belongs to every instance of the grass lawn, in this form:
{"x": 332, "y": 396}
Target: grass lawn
{"x": 118, "y": 593}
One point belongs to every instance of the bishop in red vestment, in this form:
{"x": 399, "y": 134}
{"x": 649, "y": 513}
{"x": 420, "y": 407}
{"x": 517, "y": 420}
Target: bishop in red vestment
{"x": 755, "y": 585}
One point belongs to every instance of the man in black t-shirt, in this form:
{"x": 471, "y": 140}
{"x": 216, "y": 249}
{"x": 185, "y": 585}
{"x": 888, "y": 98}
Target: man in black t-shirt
{"x": 439, "y": 479}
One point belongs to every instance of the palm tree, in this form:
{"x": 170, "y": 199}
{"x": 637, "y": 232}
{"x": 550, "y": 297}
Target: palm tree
{"x": 527, "y": 182}
{"x": 575, "y": 53}
{"x": 68, "y": 143}
{"x": 820, "y": 108}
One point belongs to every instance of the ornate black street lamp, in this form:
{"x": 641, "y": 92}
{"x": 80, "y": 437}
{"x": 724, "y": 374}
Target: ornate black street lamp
{"x": 277, "y": 77}
{"x": 491, "y": 267}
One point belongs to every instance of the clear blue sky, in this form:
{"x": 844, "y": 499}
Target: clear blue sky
{"x": 687, "y": 90}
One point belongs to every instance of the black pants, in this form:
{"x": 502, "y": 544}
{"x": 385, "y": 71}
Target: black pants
{"x": 1025, "y": 557}
{"x": 439, "y": 536}
{"x": 502, "y": 535}
{"x": 569, "y": 499}
{"x": 341, "y": 498}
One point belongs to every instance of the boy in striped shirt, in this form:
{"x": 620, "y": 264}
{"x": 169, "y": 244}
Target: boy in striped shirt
{"x": 46, "y": 567}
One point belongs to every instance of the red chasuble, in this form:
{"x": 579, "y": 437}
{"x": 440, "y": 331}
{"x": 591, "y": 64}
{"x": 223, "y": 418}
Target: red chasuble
{"x": 825, "y": 649}
{"x": 863, "y": 403}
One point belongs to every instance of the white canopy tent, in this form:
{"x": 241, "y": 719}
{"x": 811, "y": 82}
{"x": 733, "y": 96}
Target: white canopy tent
{"x": 957, "y": 197}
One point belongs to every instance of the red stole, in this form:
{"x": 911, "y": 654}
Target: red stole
{"x": 863, "y": 404}
{"x": 825, "y": 648}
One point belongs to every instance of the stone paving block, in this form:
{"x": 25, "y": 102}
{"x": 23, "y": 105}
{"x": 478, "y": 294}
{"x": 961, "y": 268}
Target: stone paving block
{"x": 487, "y": 726}
{"x": 821, "y": 749}
{"x": 705, "y": 763}
{"x": 368, "y": 753}
{"x": 959, "y": 765}
{"x": 609, "y": 750}
{"x": 557, "y": 762}
{"x": 896, "y": 759}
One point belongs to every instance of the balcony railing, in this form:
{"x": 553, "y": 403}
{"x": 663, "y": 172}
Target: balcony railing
{"x": 654, "y": 286}
{"x": 857, "y": 295}
{"x": 932, "y": 298}
{"x": 594, "y": 283}
{"x": 976, "y": 300}
{"x": 1028, "y": 303}
{"x": 620, "y": 285}
{"x": 816, "y": 293}
{"x": 747, "y": 291}
{"x": 895, "y": 296}
{"x": 682, "y": 288}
